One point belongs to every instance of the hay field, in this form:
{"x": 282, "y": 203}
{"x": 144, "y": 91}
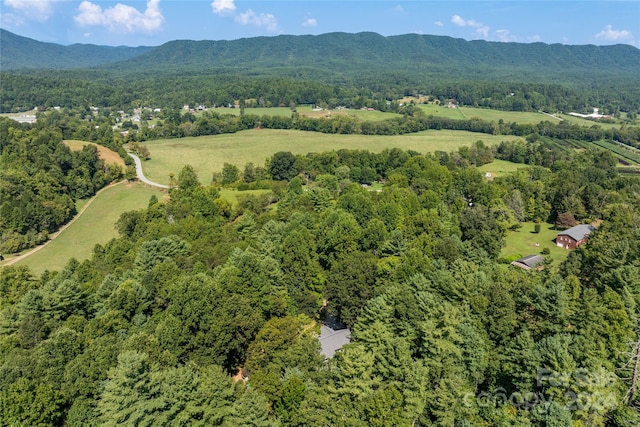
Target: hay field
{"x": 108, "y": 156}
{"x": 207, "y": 154}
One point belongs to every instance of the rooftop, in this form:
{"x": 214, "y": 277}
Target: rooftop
{"x": 528, "y": 262}
{"x": 332, "y": 340}
{"x": 578, "y": 232}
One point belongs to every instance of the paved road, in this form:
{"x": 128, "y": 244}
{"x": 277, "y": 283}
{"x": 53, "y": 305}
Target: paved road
{"x": 140, "y": 174}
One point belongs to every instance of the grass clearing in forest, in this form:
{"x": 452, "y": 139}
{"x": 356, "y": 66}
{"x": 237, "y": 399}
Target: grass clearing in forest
{"x": 95, "y": 225}
{"x": 523, "y": 242}
{"x": 207, "y": 154}
{"x": 232, "y": 196}
{"x": 501, "y": 167}
{"x": 107, "y": 155}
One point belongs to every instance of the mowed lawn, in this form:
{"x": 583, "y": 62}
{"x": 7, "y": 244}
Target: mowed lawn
{"x": 523, "y": 242}
{"x": 95, "y": 225}
{"x": 207, "y": 154}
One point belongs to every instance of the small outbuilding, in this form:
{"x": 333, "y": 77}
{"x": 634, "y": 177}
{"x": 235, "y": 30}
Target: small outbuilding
{"x": 530, "y": 261}
{"x": 574, "y": 236}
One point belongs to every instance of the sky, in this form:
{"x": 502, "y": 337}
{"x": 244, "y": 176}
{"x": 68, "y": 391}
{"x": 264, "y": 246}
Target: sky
{"x": 154, "y": 22}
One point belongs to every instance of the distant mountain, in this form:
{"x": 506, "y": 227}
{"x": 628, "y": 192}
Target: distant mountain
{"x": 19, "y": 53}
{"x": 335, "y": 55}
{"x": 338, "y": 56}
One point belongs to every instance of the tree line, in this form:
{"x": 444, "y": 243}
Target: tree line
{"x": 74, "y": 89}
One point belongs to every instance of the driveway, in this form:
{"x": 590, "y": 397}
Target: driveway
{"x": 140, "y": 174}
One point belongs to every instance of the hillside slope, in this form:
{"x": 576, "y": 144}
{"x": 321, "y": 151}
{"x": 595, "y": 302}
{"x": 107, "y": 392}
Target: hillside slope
{"x": 336, "y": 56}
{"x": 363, "y": 54}
{"x": 19, "y": 53}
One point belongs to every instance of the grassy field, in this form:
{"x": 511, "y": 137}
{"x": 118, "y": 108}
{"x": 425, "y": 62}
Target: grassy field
{"x": 95, "y": 225}
{"x": 207, "y": 154}
{"x": 441, "y": 111}
{"x": 500, "y": 167}
{"x": 463, "y": 113}
{"x": 586, "y": 122}
{"x": 528, "y": 117}
{"x": 232, "y": 196}
{"x": 523, "y": 242}
{"x": 108, "y": 156}
{"x": 307, "y": 110}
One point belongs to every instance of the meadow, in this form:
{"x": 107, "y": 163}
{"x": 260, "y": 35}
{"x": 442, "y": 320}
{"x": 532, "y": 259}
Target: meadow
{"x": 107, "y": 155}
{"x": 207, "y": 154}
{"x": 523, "y": 242}
{"x": 95, "y": 225}
{"x": 465, "y": 113}
{"x": 501, "y": 167}
{"x": 307, "y": 110}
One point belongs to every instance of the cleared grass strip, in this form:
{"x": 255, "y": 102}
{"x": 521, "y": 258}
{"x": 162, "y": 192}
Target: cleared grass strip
{"x": 95, "y": 225}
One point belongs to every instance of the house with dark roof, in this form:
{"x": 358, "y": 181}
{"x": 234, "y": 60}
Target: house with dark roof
{"x": 530, "y": 261}
{"x": 574, "y": 236}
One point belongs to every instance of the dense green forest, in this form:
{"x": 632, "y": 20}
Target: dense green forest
{"x": 444, "y": 332}
{"x": 40, "y": 180}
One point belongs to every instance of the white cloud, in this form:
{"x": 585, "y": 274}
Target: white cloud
{"x": 263, "y": 20}
{"x": 310, "y": 22}
{"x": 223, "y": 7}
{"x": 611, "y": 35}
{"x": 456, "y": 19}
{"x": 40, "y": 10}
{"x": 505, "y": 36}
{"x": 480, "y": 29}
{"x": 439, "y": 24}
{"x": 121, "y": 17}
{"x": 399, "y": 9}
{"x": 535, "y": 38}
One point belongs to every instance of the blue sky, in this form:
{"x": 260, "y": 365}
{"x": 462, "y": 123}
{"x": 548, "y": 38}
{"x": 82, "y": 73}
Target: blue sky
{"x": 153, "y": 22}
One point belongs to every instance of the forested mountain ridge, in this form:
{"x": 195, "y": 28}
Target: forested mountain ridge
{"x": 24, "y": 53}
{"x": 368, "y": 52}
{"x": 337, "y": 55}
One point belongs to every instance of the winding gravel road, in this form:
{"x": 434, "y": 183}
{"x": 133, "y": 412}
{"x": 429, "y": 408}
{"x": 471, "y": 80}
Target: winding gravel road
{"x": 140, "y": 174}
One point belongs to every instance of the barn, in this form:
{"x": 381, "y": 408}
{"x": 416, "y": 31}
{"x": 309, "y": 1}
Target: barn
{"x": 574, "y": 236}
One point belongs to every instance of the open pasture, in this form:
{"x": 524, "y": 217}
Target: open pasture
{"x": 487, "y": 114}
{"x": 95, "y": 225}
{"x": 307, "y": 111}
{"x": 520, "y": 117}
{"x": 207, "y": 154}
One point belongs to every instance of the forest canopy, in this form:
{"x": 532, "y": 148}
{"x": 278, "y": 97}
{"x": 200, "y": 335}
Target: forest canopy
{"x": 151, "y": 328}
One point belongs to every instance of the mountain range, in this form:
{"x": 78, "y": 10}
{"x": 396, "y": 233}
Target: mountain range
{"x": 335, "y": 56}
{"x": 20, "y": 53}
